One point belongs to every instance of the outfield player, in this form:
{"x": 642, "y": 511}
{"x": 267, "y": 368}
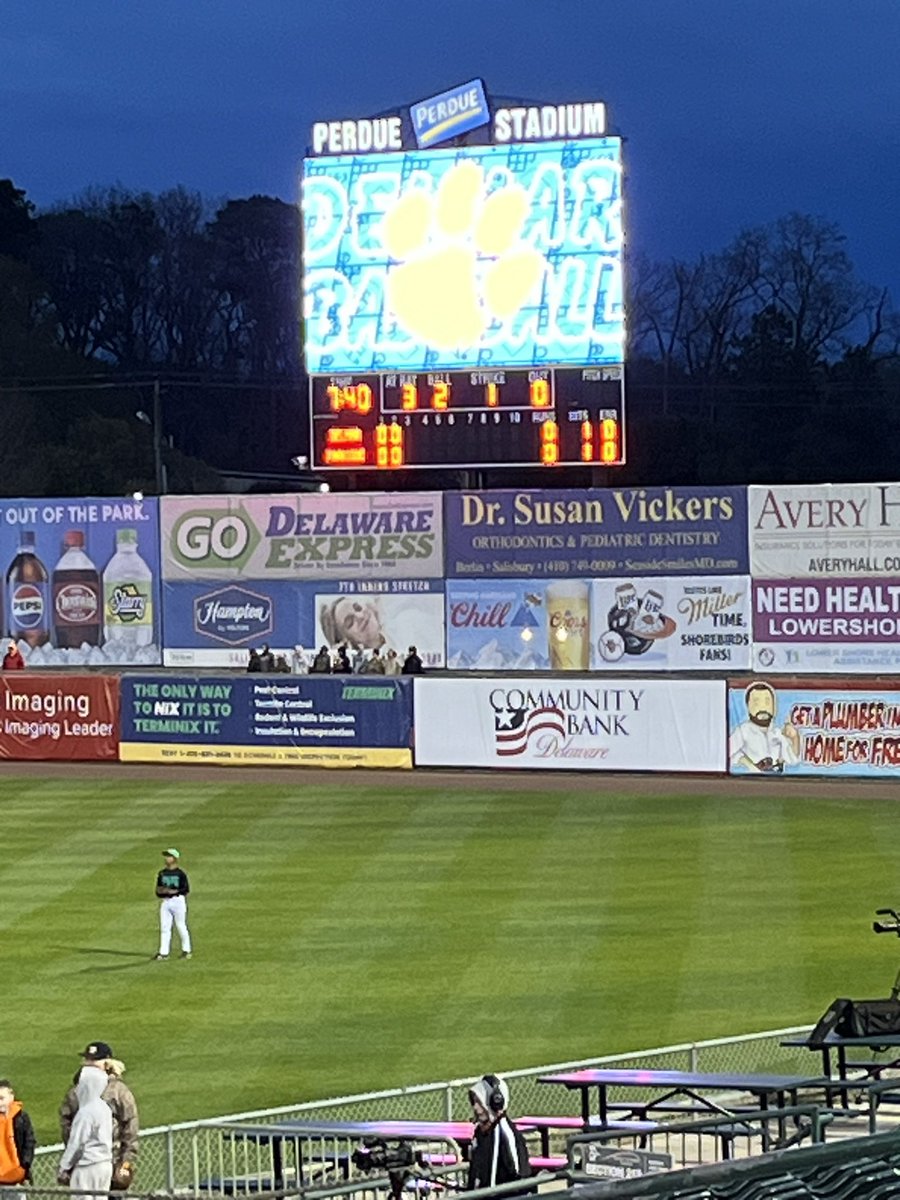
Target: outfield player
{"x": 172, "y": 887}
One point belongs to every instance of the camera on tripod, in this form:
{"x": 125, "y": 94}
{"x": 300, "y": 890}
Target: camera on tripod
{"x": 891, "y": 926}
{"x": 375, "y": 1154}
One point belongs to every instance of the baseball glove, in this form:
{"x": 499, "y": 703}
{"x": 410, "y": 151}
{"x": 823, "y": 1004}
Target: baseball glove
{"x": 122, "y": 1176}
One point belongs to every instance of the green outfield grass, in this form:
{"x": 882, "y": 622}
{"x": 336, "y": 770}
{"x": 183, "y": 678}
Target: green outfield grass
{"x": 356, "y": 936}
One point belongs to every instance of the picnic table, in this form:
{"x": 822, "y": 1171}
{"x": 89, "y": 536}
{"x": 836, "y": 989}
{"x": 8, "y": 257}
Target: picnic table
{"x": 697, "y": 1088}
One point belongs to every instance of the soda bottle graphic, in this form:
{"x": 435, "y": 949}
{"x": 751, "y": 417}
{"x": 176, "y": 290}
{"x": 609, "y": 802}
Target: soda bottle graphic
{"x": 28, "y": 594}
{"x": 76, "y": 595}
{"x": 127, "y": 594}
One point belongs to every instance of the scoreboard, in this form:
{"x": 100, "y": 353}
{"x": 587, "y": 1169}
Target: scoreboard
{"x": 512, "y": 418}
{"x": 463, "y": 306}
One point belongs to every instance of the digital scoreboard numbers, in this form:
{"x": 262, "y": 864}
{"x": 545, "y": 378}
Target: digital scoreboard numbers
{"x": 478, "y": 419}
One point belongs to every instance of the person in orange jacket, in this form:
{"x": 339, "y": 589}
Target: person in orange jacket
{"x": 17, "y": 1142}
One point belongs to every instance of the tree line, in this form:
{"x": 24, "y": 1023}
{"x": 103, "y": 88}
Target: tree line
{"x": 768, "y": 360}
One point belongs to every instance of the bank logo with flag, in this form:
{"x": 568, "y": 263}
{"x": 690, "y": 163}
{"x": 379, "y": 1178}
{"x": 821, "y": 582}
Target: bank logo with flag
{"x": 451, "y": 113}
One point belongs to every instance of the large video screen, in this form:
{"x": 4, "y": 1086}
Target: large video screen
{"x": 477, "y": 256}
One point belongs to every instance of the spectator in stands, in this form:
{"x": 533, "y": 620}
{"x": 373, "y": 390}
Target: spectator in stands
{"x": 87, "y": 1161}
{"x": 299, "y": 661}
{"x": 391, "y": 663}
{"x": 412, "y": 664}
{"x": 12, "y": 659}
{"x": 17, "y": 1141}
{"x": 281, "y": 665}
{"x": 342, "y": 665}
{"x": 374, "y": 664}
{"x": 321, "y": 664}
{"x": 498, "y": 1153}
{"x": 266, "y": 660}
{"x": 120, "y": 1099}
{"x": 253, "y": 662}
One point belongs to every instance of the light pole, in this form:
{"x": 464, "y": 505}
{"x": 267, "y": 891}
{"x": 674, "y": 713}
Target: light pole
{"x": 159, "y": 467}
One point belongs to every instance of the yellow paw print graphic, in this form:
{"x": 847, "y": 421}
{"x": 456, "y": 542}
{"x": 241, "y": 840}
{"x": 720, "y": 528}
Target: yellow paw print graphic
{"x": 459, "y": 264}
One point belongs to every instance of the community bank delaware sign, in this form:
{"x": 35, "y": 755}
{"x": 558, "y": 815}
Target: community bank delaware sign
{"x": 580, "y": 723}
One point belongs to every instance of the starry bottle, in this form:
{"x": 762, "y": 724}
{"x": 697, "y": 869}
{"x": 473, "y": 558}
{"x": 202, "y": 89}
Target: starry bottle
{"x": 127, "y": 594}
{"x": 28, "y": 594}
{"x": 76, "y": 596}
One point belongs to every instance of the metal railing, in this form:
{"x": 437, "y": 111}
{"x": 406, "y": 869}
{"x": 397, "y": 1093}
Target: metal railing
{"x": 166, "y": 1163}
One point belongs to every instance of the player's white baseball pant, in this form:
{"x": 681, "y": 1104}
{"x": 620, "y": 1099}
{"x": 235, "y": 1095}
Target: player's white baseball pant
{"x": 92, "y": 1177}
{"x": 173, "y": 908}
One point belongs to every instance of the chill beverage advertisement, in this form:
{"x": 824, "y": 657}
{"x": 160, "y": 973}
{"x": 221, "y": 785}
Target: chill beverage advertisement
{"x": 81, "y": 580}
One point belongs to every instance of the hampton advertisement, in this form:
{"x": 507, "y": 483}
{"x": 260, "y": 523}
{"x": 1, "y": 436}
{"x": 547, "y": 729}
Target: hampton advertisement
{"x": 825, "y": 561}
{"x": 813, "y": 728}
{"x": 575, "y": 724}
{"x": 278, "y": 720}
{"x": 599, "y": 532}
{"x": 81, "y": 581}
{"x": 645, "y": 623}
{"x": 302, "y": 570}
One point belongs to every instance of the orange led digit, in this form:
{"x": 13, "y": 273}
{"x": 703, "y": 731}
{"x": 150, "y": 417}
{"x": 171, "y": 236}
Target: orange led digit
{"x": 492, "y": 395}
{"x": 609, "y": 440}
{"x": 362, "y": 397}
{"x": 549, "y": 443}
{"x": 409, "y": 397}
{"x": 539, "y": 393}
{"x": 440, "y": 394}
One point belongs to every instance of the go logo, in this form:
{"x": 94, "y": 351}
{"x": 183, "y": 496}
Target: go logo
{"x": 213, "y": 539}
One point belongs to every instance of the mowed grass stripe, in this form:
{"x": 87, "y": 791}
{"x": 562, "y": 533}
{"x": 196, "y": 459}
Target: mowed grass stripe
{"x": 355, "y": 936}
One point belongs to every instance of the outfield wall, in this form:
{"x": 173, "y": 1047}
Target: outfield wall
{"x": 781, "y": 580}
{"x": 742, "y": 726}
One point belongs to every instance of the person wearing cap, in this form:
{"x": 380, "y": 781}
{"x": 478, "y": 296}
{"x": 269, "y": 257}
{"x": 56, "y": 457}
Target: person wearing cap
{"x": 498, "y": 1153}
{"x": 172, "y": 887}
{"x": 121, "y": 1102}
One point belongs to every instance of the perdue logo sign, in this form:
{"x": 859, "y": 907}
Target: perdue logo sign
{"x": 451, "y": 113}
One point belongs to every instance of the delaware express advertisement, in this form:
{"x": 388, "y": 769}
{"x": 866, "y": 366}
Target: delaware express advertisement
{"x": 81, "y": 583}
{"x": 825, "y": 561}
{"x": 252, "y": 720}
{"x": 582, "y": 723}
{"x": 814, "y": 728}
{"x": 301, "y": 570}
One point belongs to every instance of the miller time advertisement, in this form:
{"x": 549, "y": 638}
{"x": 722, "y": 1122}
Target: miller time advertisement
{"x": 294, "y": 572}
{"x": 825, "y": 561}
{"x": 577, "y": 723}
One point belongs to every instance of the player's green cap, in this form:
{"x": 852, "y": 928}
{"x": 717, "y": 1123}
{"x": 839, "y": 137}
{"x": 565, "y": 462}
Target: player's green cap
{"x": 170, "y": 853}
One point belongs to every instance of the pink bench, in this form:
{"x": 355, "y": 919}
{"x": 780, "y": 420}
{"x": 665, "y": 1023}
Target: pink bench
{"x": 544, "y": 1126}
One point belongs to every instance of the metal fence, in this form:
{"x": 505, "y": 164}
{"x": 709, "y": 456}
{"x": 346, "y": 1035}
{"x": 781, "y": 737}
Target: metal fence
{"x": 166, "y": 1162}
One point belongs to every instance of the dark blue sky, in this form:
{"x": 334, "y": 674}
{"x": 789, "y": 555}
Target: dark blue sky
{"x": 735, "y": 111}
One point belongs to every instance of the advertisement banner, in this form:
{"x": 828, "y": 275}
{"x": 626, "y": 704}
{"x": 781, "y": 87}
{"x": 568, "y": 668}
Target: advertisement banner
{"x": 813, "y": 728}
{"x": 254, "y": 720}
{"x": 74, "y": 718}
{"x": 825, "y": 561}
{"x": 351, "y": 535}
{"x": 81, "y": 581}
{"x": 216, "y": 625}
{"x": 646, "y": 623}
{"x": 597, "y": 532}
{"x": 579, "y": 723}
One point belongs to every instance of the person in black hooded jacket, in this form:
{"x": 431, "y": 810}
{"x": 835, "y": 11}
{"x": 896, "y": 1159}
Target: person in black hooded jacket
{"x": 498, "y": 1153}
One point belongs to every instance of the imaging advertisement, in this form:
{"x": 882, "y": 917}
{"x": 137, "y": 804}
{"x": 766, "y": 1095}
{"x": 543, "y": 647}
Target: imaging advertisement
{"x": 525, "y": 534}
{"x": 825, "y": 561}
{"x": 813, "y": 728}
{"x": 579, "y": 723}
{"x": 82, "y": 581}
{"x": 241, "y": 572}
{"x": 72, "y": 718}
{"x": 257, "y": 720}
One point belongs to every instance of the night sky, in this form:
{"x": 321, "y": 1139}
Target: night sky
{"x": 735, "y": 111}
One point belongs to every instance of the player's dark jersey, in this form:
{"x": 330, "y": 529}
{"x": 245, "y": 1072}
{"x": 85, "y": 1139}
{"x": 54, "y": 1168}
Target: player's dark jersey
{"x": 173, "y": 877}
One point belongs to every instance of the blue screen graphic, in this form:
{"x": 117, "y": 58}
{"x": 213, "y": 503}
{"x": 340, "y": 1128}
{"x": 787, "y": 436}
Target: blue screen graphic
{"x": 473, "y": 257}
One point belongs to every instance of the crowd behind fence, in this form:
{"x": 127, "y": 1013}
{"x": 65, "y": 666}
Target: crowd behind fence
{"x": 167, "y": 1161}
